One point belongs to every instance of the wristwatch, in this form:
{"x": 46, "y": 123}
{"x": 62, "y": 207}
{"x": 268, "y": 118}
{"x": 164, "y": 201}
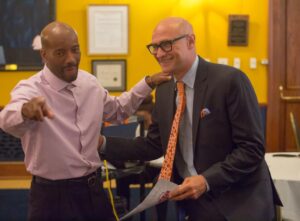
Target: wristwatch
{"x": 149, "y": 81}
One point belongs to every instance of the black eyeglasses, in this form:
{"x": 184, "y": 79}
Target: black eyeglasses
{"x": 166, "y": 46}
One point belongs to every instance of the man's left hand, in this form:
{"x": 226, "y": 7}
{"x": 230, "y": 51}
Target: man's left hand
{"x": 191, "y": 188}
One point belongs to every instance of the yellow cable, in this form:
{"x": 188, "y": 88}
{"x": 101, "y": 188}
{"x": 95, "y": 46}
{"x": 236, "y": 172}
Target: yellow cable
{"x": 109, "y": 191}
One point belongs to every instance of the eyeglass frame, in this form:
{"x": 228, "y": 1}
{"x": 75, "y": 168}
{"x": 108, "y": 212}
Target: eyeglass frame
{"x": 171, "y": 42}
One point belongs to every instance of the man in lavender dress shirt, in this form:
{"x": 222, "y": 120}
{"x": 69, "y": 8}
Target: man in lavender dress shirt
{"x": 58, "y": 113}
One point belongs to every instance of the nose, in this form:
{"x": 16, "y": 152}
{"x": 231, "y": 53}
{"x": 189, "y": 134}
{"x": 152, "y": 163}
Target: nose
{"x": 160, "y": 53}
{"x": 70, "y": 58}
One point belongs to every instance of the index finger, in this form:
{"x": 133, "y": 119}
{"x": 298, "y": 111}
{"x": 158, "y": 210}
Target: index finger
{"x": 47, "y": 111}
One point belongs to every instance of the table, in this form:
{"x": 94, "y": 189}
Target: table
{"x": 285, "y": 171}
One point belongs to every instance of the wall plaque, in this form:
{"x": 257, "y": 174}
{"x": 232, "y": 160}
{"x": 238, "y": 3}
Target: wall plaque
{"x": 238, "y": 30}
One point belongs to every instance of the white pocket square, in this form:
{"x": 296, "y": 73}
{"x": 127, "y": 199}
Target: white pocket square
{"x": 204, "y": 112}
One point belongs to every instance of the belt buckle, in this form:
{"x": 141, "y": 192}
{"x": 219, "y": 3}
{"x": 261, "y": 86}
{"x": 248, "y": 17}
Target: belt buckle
{"x": 92, "y": 180}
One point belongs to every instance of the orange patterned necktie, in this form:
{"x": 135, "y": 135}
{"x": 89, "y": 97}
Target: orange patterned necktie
{"x": 167, "y": 167}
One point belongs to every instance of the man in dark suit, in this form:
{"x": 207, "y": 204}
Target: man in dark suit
{"x": 219, "y": 161}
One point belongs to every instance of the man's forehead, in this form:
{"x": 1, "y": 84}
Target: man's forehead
{"x": 63, "y": 43}
{"x": 164, "y": 34}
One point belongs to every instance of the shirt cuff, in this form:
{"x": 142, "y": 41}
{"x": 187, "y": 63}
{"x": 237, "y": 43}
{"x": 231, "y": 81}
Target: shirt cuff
{"x": 207, "y": 186}
{"x": 103, "y": 146}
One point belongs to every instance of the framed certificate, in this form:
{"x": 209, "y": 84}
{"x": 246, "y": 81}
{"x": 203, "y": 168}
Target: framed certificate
{"x": 111, "y": 74}
{"x": 107, "y": 29}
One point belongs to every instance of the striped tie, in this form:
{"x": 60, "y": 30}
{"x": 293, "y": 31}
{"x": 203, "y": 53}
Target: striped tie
{"x": 167, "y": 167}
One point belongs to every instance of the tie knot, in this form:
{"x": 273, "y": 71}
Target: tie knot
{"x": 69, "y": 87}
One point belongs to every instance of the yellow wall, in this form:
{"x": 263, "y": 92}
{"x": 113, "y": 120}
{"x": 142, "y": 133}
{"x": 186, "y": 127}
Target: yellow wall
{"x": 210, "y": 21}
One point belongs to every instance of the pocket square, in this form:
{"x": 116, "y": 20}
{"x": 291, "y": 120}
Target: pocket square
{"x": 204, "y": 112}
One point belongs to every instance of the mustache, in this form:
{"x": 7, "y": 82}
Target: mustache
{"x": 164, "y": 58}
{"x": 70, "y": 65}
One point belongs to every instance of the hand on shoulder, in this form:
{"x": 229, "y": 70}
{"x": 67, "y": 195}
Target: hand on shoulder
{"x": 158, "y": 78}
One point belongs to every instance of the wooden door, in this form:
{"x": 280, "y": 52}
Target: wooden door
{"x": 284, "y": 70}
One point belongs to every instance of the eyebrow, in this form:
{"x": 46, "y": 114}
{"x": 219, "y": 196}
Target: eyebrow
{"x": 161, "y": 42}
{"x": 167, "y": 40}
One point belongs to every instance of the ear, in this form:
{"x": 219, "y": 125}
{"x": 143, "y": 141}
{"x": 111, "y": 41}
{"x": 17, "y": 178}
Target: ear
{"x": 191, "y": 41}
{"x": 43, "y": 55}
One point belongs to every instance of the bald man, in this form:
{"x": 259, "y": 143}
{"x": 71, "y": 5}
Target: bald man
{"x": 58, "y": 114}
{"x": 219, "y": 160}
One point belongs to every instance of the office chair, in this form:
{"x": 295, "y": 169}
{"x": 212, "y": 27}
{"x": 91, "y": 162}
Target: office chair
{"x": 10, "y": 148}
{"x": 127, "y": 130}
{"x": 295, "y": 130}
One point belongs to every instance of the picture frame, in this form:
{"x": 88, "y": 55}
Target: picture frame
{"x": 21, "y": 23}
{"x": 107, "y": 29}
{"x": 111, "y": 74}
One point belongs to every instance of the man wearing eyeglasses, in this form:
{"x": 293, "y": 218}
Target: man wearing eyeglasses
{"x": 219, "y": 160}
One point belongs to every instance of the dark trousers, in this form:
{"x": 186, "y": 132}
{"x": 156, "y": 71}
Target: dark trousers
{"x": 80, "y": 199}
{"x": 202, "y": 209}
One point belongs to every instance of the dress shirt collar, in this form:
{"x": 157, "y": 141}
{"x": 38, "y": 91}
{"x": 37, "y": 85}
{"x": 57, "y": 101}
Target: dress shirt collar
{"x": 56, "y": 82}
{"x": 190, "y": 76}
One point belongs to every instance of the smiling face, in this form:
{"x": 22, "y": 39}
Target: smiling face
{"x": 179, "y": 60}
{"x": 60, "y": 50}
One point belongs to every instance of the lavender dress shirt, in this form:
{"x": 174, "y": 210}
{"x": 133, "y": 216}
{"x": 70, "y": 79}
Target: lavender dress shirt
{"x": 66, "y": 146}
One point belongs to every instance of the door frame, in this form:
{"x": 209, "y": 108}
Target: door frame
{"x": 276, "y": 76}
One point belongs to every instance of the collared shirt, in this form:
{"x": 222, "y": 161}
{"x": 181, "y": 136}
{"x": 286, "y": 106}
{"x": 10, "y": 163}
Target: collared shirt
{"x": 66, "y": 146}
{"x": 185, "y": 159}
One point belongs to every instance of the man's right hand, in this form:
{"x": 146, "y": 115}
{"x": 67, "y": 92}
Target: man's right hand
{"x": 37, "y": 109}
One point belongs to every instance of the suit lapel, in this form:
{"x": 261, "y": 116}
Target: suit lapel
{"x": 199, "y": 95}
{"x": 169, "y": 101}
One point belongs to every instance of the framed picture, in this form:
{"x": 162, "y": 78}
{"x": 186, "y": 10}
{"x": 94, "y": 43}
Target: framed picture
{"x": 111, "y": 74}
{"x": 21, "y": 23}
{"x": 107, "y": 29}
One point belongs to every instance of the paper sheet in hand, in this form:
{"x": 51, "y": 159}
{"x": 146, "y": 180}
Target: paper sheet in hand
{"x": 157, "y": 195}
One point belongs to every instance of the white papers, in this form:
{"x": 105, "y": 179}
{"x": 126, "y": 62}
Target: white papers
{"x": 157, "y": 195}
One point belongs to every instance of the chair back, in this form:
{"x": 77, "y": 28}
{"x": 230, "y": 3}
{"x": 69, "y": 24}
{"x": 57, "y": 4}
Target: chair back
{"x": 10, "y": 148}
{"x": 127, "y": 130}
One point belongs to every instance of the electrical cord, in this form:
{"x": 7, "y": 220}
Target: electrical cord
{"x": 109, "y": 191}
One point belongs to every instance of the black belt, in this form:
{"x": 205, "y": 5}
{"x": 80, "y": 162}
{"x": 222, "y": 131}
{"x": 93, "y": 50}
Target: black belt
{"x": 89, "y": 179}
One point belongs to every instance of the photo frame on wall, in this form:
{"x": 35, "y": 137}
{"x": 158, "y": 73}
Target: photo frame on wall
{"x": 21, "y": 23}
{"x": 111, "y": 74}
{"x": 107, "y": 29}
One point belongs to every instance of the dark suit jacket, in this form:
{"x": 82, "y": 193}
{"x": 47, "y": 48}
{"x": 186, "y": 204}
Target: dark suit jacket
{"x": 228, "y": 143}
